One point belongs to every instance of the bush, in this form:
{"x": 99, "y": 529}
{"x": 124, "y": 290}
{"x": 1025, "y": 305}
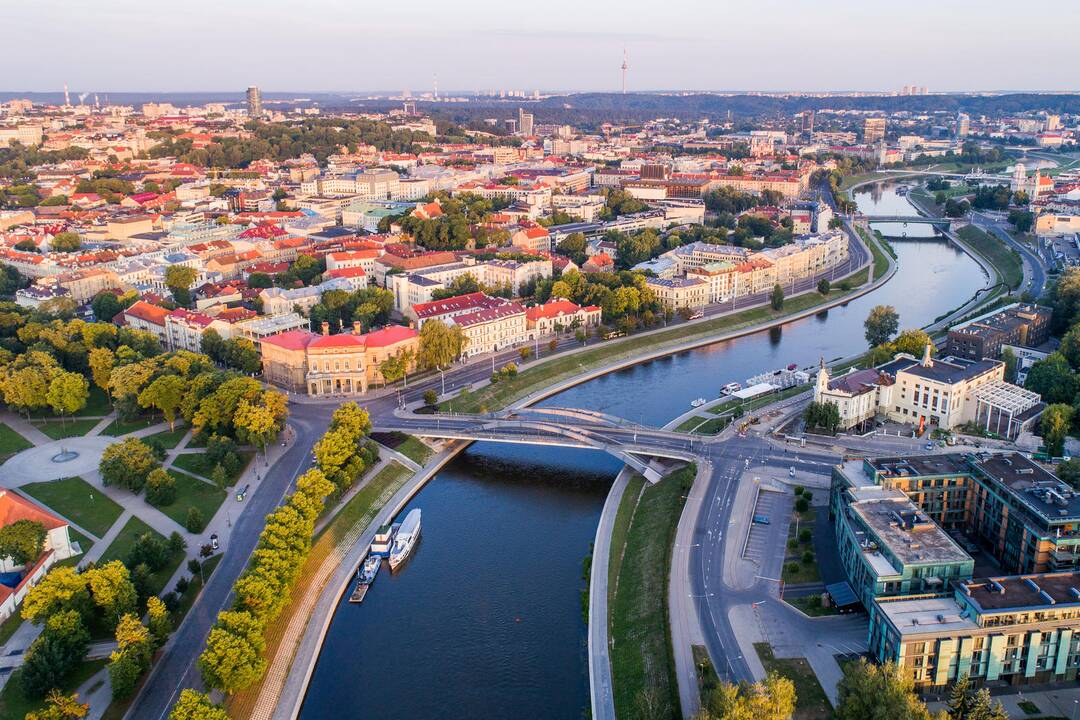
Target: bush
{"x": 127, "y": 464}
{"x": 793, "y": 567}
{"x": 194, "y": 566}
{"x": 182, "y": 585}
{"x": 219, "y": 477}
{"x": 430, "y": 398}
{"x": 177, "y": 544}
{"x": 805, "y": 535}
{"x": 150, "y": 550}
{"x": 802, "y": 504}
{"x": 792, "y": 544}
{"x": 160, "y": 488}
{"x": 195, "y": 522}
{"x": 808, "y": 558}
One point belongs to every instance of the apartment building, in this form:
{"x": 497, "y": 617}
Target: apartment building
{"x": 560, "y": 315}
{"x": 489, "y": 323}
{"x": 985, "y": 336}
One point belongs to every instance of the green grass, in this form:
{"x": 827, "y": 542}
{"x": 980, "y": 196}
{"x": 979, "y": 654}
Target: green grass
{"x": 62, "y": 429}
{"x": 1029, "y": 707}
{"x": 761, "y": 401}
{"x": 9, "y": 626}
{"x": 881, "y": 262}
{"x": 170, "y": 438}
{"x": 1004, "y": 259}
{"x": 11, "y": 442}
{"x": 807, "y": 572}
{"x": 564, "y": 367}
{"x": 811, "y": 703}
{"x": 120, "y": 427}
{"x": 192, "y": 492}
{"x": 811, "y": 605}
{"x": 198, "y": 464}
{"x": 712, "y": 426}
{"x": 405, "y": 444}
{"x": 641, "y": 657}
{"x": 123, "y": 543}
{"x": 706, "y": 673}
{"x": 848, "y": 181}
{"x": 14, "y": 705}
{"x": 70, "y": 497}
{"x": 690, "y": 423}
{"x": 619, "y": 528}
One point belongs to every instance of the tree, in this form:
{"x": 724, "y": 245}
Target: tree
{"x": 241, "y": 354}
{"x": 231, "y": 662}
{"x": 912, "y": 342}
{"x": 59, "y": 706}
{"x": 158, "y": 620}
{"x": 824, "y": 286}
{"x": 61, "y": 590}
{"x": 259, "y": 280}
{"x": 22, "y": 541}
{"x": 179, "y": 279}
{"x": 213, "y": 345}
{"x": 165, "y": 395}
{"x": 131, "y": 658}
{"x": 55, "y": 653}
{"x": 106, "y": 306}
{"x": 772, "y": 699}
{"x": 1011, "y": 361}
{"x": 776, "y": 298}
{"x": 1069, "y": 471}
{"x": 149, "y": 549}
{"x": 160, "y": 488}
{"x": 967, "y": 704}
{"x": 1070, "y": 346}
{"x": 431, "y": 398}
{"x": 102, "y": 361}
{"x": 1054, "y": 425}
{"x": 127, "y": 464}
{"x": 877, "y": 692}
{"x": 194, "y": 705}
{"x": 881, "y": 324}
{"x": 440, "y": 345}
{"x": 255, "y": 423}
{"x": 195, "y": 522}
{"x": 573, "y": 247}
{"x": 65, "y": 242}
{"x": 1053, "y": 378}
{"x": 1022, "y": 220}
{"x": 112, "y": 591}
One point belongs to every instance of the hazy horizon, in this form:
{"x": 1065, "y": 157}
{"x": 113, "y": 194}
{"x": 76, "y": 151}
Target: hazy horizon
{"x": 328, "y": 45}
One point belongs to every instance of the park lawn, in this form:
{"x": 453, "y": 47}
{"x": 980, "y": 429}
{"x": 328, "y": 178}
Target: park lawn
{"x": 197, "y": 464}
{"x": 1005, "y": 260}
{"x": 193, "y": 493}
{"x": 811, "y": 702}
{"x": 14, "y": 705}
{"x": 563, "y": 367}
{"x": 881, "y": 262}
{"x": 807, "y": 572}
{"x": 619, "y": 528}
{"x": 70, "y": 497}
{"x": 811, "y": 605}
{"x": 641, "y": 656}
{"x": 62, "y": 429}
{"x": 11, "y": 442}
{"x": 84, "y": 542}
{"x": 341, "y": 532}
{"x": 170, "y": 438}
{"x": 405, "y": 444}
{"x": 120, "y": 427}
{"x": 849, "y": 180}
{"x": 123, "y": 543}
{"x": 690, "y": 423}
{"x": 713, "y": 426}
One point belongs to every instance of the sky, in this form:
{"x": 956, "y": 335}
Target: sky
{"x": 357, "y": 45}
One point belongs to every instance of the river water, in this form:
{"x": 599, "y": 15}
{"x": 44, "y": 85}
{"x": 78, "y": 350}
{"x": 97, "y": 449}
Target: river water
{"x": 486, "y": 619}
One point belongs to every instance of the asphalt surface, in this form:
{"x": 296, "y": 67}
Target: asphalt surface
{"x": 1035, "y": 265}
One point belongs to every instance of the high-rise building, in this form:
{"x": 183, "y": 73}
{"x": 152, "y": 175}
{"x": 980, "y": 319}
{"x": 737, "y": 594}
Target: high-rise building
{"x": 1053, "y": 122}
{"x": 963, "y": 125}
{"x": 873, "y": 130}
{"x": 808, "y": 122}
{"x": 254, "y": 102}
{"x": 525, "y": 122}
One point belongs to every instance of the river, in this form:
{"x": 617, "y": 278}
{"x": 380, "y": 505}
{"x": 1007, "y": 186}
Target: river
{"x": 486, "y": 619}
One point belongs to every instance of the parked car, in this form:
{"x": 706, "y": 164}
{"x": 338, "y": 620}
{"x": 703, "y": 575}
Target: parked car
{"x": 214, "y": 541}
{"x": 791, "y": 472}
{"x": 761, "y": 519}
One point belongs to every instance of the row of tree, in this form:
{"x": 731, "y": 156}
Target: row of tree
{"x": 232, "y": 660}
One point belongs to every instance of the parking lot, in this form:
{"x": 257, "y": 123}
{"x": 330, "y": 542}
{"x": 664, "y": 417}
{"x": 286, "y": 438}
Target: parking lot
{"x": 774, "y": 507}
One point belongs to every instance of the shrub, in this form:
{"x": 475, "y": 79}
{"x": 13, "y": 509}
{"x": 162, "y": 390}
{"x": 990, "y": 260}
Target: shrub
{"x": 808, "y": 558}
{"x": 805, "y": 535}
{"x": 177, "y": 544}
{"x": 430, "y": 398}
{"x": 150, "y": 550}
{"x": 182, "y": 585}
{"x": 195, "y": 522}
{"x": 793, "y": 567}
{"x": 802, "y": 504}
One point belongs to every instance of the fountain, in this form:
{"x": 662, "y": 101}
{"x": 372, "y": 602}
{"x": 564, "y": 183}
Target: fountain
{"x": 64, "y": 455}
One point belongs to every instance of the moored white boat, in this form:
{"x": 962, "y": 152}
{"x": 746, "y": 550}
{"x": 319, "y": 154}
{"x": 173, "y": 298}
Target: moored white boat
{"x": 405, "y": 539}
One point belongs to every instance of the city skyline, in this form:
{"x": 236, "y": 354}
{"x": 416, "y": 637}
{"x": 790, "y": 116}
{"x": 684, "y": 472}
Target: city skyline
{"x": 336, "y": 49}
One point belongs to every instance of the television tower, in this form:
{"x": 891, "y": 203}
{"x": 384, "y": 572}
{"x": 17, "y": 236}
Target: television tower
{"x": 625, "y": 66}
{"x": 435, "y": 79}
{"x": 67, "y": 98}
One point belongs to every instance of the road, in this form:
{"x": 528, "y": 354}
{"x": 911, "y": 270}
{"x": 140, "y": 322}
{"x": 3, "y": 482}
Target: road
{"x": 176, "y": 669}
{"x": 1034, "y": 265}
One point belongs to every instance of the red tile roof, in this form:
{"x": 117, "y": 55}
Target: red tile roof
{"x": 389, "y": 335}
{"x": 15, "y": 507}
{"x": 147, "y": 312}
{"x": 291, "y": 339}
